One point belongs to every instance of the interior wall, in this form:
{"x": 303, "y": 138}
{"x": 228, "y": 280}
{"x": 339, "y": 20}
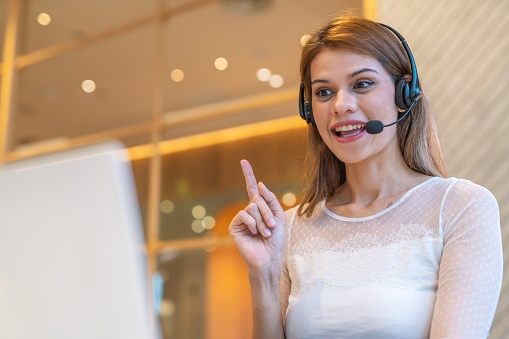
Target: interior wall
{"x": 461, "y": 49}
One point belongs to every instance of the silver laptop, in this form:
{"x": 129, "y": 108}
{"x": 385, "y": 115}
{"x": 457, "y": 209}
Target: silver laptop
{"x": 72, "y": 259}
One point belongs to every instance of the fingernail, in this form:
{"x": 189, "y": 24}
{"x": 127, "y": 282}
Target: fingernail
{"x": 267, "y": 232}
{"x": 272, "y": 222}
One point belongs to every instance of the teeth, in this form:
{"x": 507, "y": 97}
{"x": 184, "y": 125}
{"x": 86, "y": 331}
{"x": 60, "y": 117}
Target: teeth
{"x": 348, "y": 127}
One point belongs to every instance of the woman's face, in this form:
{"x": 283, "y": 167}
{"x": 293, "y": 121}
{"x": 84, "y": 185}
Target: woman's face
{"x": 348, "y": 90}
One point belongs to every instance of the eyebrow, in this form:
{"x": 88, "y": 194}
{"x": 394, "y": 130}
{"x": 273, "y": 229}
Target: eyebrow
{"x": 353, "y": 75}
{"x": 362, "y": 71}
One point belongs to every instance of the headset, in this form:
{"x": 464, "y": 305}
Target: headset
{"x": 406, "y": 93}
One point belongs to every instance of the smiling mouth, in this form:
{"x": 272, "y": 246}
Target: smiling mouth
{"x": 348, "y": 130}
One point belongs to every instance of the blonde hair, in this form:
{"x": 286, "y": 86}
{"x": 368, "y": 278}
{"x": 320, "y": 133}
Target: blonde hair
{"x": 417, "y": 134}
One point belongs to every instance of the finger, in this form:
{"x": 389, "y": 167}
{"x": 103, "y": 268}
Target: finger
{"x": 254, "y": 212}
{"x": 251, "y": 185}
{"x": 241, "y": 220}
{"x": 264, "y": 210}
{"x": 271, "y": 200}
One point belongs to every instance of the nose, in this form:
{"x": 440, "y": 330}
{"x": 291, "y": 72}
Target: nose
{"x": 345, "y": 102}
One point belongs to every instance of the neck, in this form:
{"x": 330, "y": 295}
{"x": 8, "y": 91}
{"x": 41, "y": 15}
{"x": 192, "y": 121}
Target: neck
{"x": 372, "y": 180}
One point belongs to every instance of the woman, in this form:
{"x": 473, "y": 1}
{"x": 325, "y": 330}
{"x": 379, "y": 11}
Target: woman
{"x": 383, "y": 244}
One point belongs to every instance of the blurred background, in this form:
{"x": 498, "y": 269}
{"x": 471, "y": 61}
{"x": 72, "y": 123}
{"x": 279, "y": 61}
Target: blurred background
{"x": 191, "y": 87}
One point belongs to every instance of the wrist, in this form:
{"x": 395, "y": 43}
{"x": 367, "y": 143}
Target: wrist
{"x": 265, "y": 301}
{"x": 268, "y": 275}
{"x": 264, "y": 284}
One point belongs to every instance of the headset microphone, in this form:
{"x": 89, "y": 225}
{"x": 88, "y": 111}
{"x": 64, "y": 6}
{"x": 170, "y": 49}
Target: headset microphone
{"x": 376, "y": 126}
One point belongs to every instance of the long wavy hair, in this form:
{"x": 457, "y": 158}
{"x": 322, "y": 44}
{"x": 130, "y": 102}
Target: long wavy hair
{"x": 417, "y": 134}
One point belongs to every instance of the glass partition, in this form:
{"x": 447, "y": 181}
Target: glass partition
{"x": 89, "y": 70}
{"x": 200, "y": 183}
{"x": 206, "y": 292}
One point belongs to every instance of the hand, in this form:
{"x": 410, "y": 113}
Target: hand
{"x": 259, "y": 229}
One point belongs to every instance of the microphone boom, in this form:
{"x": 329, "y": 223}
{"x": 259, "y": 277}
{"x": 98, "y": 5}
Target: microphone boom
{"x": 376, "y": 126}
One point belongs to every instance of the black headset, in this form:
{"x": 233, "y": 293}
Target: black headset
{"x": 406, "y": 93}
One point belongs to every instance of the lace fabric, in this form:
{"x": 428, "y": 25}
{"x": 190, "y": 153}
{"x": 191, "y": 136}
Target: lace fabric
{"x": 417, "y": 252}
{"x": 408, "y": 255}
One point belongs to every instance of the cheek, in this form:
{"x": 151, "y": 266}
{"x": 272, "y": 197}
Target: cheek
{"x": 389, "y": 104}
{"x": 384, "y": 110}
{"x": 323, "y": 131}
{"x": 323, "y": 121}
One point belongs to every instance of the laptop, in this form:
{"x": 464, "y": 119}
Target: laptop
{"x": 72, "y": 252}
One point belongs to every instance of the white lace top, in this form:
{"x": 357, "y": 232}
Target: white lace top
{"x": 428, "y": 266}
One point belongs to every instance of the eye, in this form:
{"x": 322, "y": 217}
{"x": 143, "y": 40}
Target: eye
{"x": 363, "y": 84}
{"x": 322, "y": 93}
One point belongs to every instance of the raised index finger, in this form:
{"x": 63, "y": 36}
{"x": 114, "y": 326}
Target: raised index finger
{"x": 251, "y": 185}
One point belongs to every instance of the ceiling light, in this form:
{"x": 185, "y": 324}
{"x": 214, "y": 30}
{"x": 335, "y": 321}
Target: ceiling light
{"x": 221, "y": 64}
{"x": 88, "y": 86}
{"x": 198, "y": 212}
{"x": 167, "y": 309}
{"x": 197, "y": 226}
{"x": 289, "y": 199}
{"x": 209, "y": 222}
{"x": 43, "y": 19}
{"x": 276, "y": 81}
{"x": 177, "y": 75}
{"x": 167, "y": 206}
{"x": 304, "y": 39}
{"x": 263, "y": 74}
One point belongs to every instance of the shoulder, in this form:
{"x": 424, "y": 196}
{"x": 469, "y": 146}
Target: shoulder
{"x": 290, "y": 216}
{"x": 454, "y": 191}
{"x": 293, "y": 217}
{"x": 463, "y": 192}
{"x": 291, "y": 212}
{"x": 300, "y": 227}
{"x": 469, "y": 206}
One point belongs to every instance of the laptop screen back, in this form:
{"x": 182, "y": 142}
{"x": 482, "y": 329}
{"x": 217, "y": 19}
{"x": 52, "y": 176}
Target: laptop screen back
{"x": 72, "y": 260}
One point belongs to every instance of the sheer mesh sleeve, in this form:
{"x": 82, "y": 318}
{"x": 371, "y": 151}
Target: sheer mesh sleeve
{"x": 285, "y": 286}
{"x": 470, "y": 274}
{"x": 285, "y": 283}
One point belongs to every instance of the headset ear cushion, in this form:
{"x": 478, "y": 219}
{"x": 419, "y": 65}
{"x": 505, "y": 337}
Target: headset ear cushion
{"x": 305, "y": 110}
{"x": 402, "y": 92}
{"x": 309, "y": 114}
